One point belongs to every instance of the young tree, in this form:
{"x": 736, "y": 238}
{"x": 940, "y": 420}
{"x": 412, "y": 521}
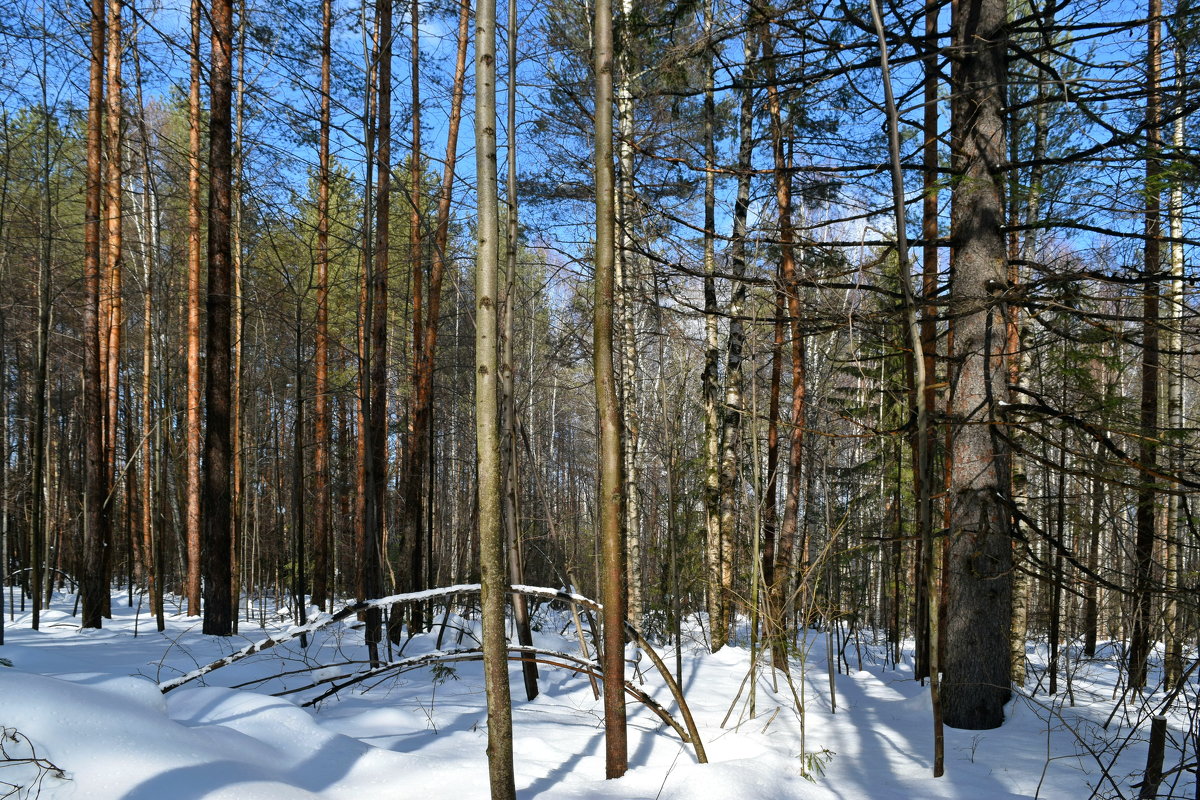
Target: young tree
{"x": 610, "y": 500}
{"x": 487, "y": 417}
{"x": 193, "y": 520}
{"x": 1146, "y": 515}
{"x": 321, "y": 399}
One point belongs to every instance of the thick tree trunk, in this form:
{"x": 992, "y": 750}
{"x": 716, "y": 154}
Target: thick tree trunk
{"x": 977, "y": 666}
{"x": 218, "y": 521}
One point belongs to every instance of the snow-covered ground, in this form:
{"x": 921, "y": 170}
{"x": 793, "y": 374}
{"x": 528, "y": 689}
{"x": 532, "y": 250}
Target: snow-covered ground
{"x": 88, "y": 704}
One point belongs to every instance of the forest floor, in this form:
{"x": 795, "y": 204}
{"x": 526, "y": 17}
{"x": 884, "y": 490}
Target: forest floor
{"x": 87, "y": 704}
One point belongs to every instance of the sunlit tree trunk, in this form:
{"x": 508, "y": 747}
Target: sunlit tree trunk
{"x": 113, "y": 263}
{"x": 626, "y": 277}
{"x": 717, "y": 591}
{"x": 194, "y": 386}
{"x": 491, "y": 540}
{"x": 237, "y": 429}
{"x": 420, "y": 450}
{"x": 510, "y": 424}
{"x": 1176, "y": 522}
{"x": 610, "y": 500}
{"x": 734, "y": 407}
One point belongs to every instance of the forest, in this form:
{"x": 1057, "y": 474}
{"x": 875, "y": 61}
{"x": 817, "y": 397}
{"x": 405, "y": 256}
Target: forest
{"x": 736, "y": 323}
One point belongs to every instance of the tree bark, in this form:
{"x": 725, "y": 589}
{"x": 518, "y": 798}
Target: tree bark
{"x": 219, "y": 607}
{"x": 508, "y": 440}
{"x": 491, "y": 540}
{"x": 977, "y": 666}
{"x": 193, "y": 520}
{"x": 610, "y": 500}
{"x": 113, "y": 264}
{"x": 734, "y": 405}
{"x": 789, "y": 284}
{"x": 93, "y": 586}
{"x": 626, "y": 277}
{"x": 1142, "y": 637}
{"x": 718, "y": 593}
{"x": 920, "y": 381}
{"x": 321, "y": 404}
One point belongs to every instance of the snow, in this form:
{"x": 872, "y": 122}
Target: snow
{"x": 89, "y": 703}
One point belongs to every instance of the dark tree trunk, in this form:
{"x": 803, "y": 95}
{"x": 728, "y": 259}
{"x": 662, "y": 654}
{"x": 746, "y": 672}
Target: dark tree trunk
{"x": 93, "y": 585}
{"x": 218, "y": 520}
{"x": 979, "y": 591}
{"x": 1142, "y": 637}
{"x": 321, "y": 409}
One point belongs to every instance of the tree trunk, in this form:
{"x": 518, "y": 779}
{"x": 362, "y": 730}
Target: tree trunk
{"x": 508, "y": 441}
{"x": 150, "y": 540}
{"x": 1142, "y": 636}
{"x": 368, "y": 577}
{"x": 93, "y": 585}
{"x": 113, "y": 262}
{"x": 412, "y": 533}
{"x": 920, "y": 381}
{"x": 491, "y": 540}
{"x": 718, "y": 593}
{"x": 610, "y": 500}
{"x": 218, "y": 523}
{"x": 193, "y": 519}
{"x": 734, "y": 406}
{"x": 420, "y": 451}
{"x": 321, "y": 406}
{"x": 778, "y": 591}
{"x": 1176, "y": 521}
{"x": 977, "y": 666}
{"x": 626, "y": 288}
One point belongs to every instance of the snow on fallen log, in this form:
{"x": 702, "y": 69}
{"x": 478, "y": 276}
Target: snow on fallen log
{"x": 324, "y": 620}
